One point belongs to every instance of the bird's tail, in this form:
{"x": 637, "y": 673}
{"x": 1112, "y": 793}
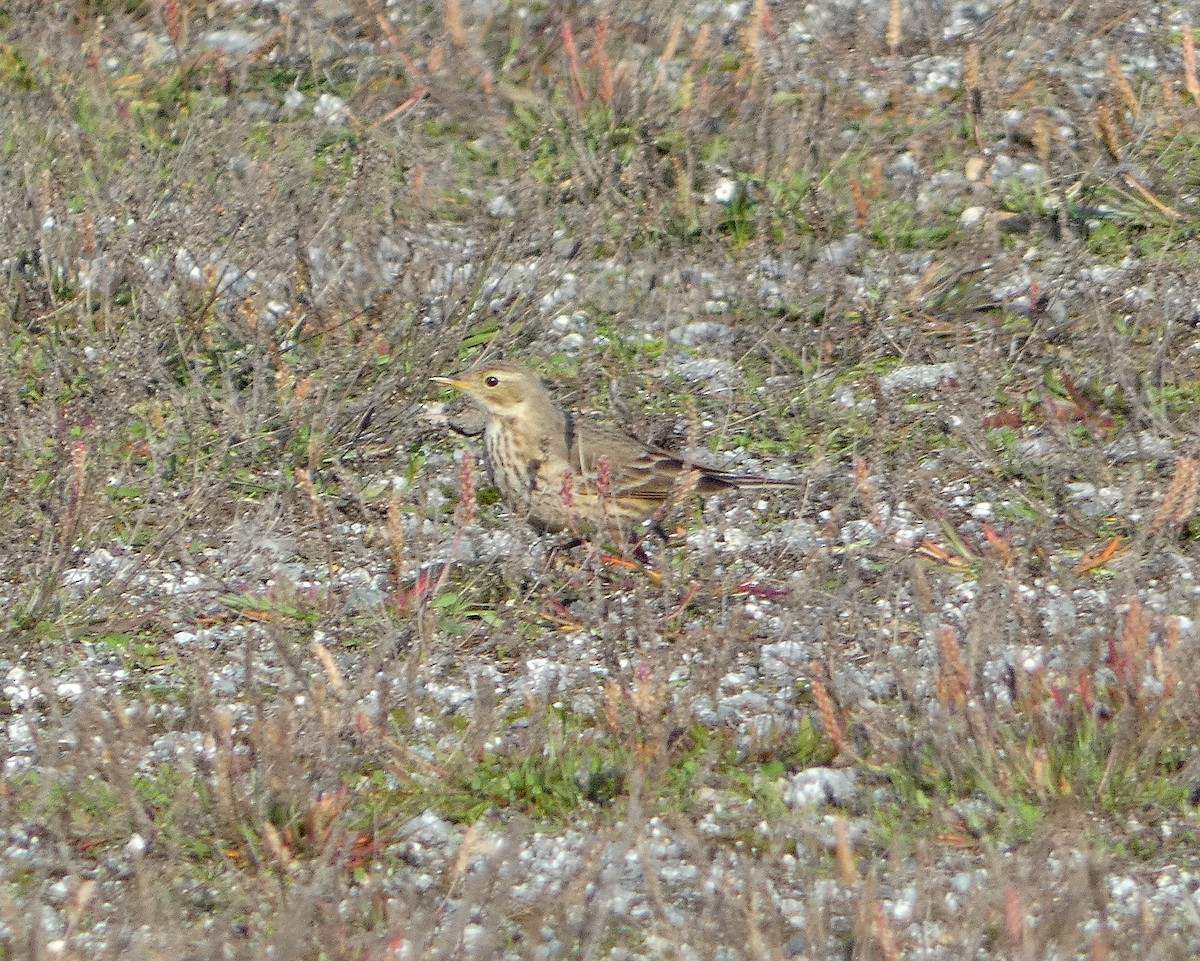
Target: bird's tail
{"x": 752, "y": 481}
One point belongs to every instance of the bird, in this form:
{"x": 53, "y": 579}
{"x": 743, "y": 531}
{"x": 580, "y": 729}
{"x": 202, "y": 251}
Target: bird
{"x": 561, "y": 473}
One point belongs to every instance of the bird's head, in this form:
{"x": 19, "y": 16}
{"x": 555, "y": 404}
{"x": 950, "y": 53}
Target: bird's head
{"x": 500, "y": 388}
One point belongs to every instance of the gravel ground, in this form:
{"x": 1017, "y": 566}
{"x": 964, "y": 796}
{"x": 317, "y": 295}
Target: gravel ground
{"x": 271, "y": 687}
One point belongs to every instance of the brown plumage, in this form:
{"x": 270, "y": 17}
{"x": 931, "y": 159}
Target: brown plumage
{"x": 559, "y": 472}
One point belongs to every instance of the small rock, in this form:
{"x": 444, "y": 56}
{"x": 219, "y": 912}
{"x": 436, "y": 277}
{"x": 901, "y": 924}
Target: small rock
{"x": 69, "y": 690}
{"x": 918, "y": 377}
{"x": 1002, "y": 166}
{"x": 135, "y": 847}
{"x": 984, "y": 512}
{"x": 716, "y": 375}
{"x": 905, "y": 165}
{"x": 798, "y": 536}
{"x": 724, "y": 192}
{"x": 426, "y": 828}
{"x": 972, "y": 216}
{"x": 235, "y": 42}
{"x": 1144, "y": 447}
{"x": 331, "y": 109}
{"x": 844, "y": 252}
{"x": 785, "y": 660}
{"x": 1031, "y": 173}
{"x": 501, "y": 208}
{"x": 819, "y": 785}
{"x": 701, "y": 331}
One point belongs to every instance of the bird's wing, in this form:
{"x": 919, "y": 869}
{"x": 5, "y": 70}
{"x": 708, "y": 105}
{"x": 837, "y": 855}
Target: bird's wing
{"x": 635, "y": 470}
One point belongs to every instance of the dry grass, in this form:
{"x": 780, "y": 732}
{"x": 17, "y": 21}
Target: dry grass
{"x": 252, "y": 629}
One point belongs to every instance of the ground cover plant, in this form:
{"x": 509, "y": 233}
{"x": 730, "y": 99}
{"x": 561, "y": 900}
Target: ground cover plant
{"x": 280, "y": 677}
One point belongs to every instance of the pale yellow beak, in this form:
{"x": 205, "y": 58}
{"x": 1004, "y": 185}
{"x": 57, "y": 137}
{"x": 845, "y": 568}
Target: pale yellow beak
{"x": 449, "y": 382}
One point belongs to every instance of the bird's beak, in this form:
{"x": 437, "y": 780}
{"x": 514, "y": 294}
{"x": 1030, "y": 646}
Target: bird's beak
{"x": 449, "y": 382}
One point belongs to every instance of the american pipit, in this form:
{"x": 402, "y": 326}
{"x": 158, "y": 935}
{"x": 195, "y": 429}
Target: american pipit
{"x": 561, "y": 473}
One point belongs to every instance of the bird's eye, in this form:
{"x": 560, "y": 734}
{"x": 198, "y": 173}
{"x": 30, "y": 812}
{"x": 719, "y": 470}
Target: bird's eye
{"x": 492, "y": 381}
